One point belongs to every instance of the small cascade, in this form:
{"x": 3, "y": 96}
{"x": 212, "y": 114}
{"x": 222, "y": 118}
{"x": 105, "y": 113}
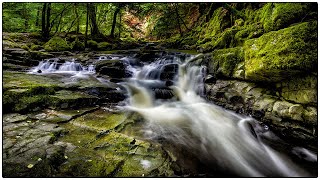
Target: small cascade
{"x": 54, "y": 66}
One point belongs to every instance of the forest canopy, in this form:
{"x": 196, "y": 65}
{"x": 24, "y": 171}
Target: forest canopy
{"x": 121, "y": 20}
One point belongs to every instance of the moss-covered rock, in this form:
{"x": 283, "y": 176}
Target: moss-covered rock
{"x": 275, "y": 16}
{"x": 104, "y": 46}
{"x": 70, "y": 99}
{"x": 278, "y": 55}
{"x": 57, "y": 44}
{"x": 92, "y": 44}
{"x": 224, "y": 61}
{"x": 77, "y": 45}
{"x": 35, "y": 47}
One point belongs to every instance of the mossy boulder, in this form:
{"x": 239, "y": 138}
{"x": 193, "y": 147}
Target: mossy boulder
{"x": 77, "y": 45}
{"x": 57, "y": 44}
{"x": 275, "y": 16}
{"x": 224, "y": 61}
{"x": 92, "y": 44}
{"x": 113, "y": 68}
{"x": 280, "y": 54}
{"x": 104, "y": 46}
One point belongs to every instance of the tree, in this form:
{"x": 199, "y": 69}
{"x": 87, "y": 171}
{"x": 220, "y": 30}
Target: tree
{"x": 46, "y": 20}
{"x": 118, "y": 8}
{"x": 92, "y": 16}
{"x": 87, "y": 23}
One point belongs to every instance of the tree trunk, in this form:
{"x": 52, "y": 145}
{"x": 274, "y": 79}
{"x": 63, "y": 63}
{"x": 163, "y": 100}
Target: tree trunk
{"x": 87, "y": 23}
{"x": 45, "y": 20}
{"x": 114, "y": 21}
{"x": 178, "y": 20}
{"x": 120, "y": 14}
{"x": 38, "y": 15}
{"x": 47, "y": 34}
{"x": 77, "y": 18}
{"x": 92, "y": 15}
{"x": 25, "y": 15}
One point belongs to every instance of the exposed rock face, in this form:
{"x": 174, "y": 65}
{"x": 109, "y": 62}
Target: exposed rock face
{"x": 300, "y": 89}
{"x": 86, "y": 143}
{"x": 290, "y": 120}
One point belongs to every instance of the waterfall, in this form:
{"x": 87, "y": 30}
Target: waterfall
{"x": 219, "y": 138}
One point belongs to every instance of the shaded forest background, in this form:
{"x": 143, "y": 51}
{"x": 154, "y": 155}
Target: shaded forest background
{"x": 118, "y": 20}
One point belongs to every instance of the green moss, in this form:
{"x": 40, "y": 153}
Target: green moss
{"x": 217, "y": 23}
{"x": 92, "y": 44}
{"x": 25, "y": 47}
{"x": 100, "y": 120}
{"x": 24, "y": 92}
{"x": 278, "y": 55}
{"x": 69, "y": 99}
{"x": 77, "y": 45}
{"x": 239, "y": 22}
{"x": 223, "y": 40}
{"x": 56, "y": 44}
{"x": 35, "y": 47}
{"x": 275, "y": 16}
{"x": 224, "y": 61}
{"x": 10, "y": 44}
{"x": 105, "y": 46}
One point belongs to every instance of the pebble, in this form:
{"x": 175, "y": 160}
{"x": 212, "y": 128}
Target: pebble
{"x": 30, "y": 166}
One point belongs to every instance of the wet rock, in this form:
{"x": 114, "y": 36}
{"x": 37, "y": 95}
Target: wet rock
{"x": 310, "y": 115}
{"x": 300, "y": 89}
{"x": 263, "y": 104}
{"x": 168, "y": 72}
{"x": 100, "y": 150}
{"x": 15, "y": 117}
{"x": 28, "y": 149}
{"x": 112, "y": 68}
{"x": 69, "y": 99}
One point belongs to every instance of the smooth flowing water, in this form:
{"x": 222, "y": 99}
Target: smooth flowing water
{"x": 224, "y": 141}
{"x": 220, "y": 138}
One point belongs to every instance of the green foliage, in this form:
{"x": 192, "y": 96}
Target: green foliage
{"x": 56, "y": 44}
{"x": 279, "y": 54}
{"x": 77, "y": 45}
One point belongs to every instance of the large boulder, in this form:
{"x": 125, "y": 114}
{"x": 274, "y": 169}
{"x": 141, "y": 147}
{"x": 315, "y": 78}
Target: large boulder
{"x": 57, "y": 44}
{"x": 112, "y": 68}
{"x": 275, "y": 16}
{"x": 277, "y": 55}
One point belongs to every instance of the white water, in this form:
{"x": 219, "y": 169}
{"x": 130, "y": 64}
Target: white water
{"x": 68, "y": 67}
{"x": 217, "y": 137}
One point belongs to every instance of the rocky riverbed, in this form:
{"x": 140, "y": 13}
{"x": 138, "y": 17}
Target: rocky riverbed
{"x": 62, "y": 125}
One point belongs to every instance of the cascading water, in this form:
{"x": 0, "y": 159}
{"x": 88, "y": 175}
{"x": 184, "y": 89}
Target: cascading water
{"x": 221, "y": 139}
{"x": 52, "y": 66}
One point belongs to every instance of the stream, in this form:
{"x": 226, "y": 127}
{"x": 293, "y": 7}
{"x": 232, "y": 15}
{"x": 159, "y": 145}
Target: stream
{"x": 169, "y": 93}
